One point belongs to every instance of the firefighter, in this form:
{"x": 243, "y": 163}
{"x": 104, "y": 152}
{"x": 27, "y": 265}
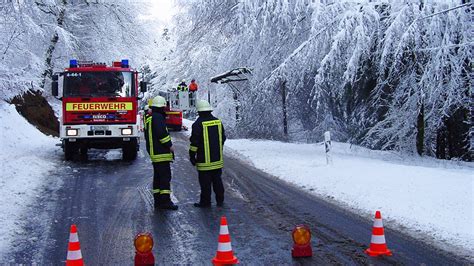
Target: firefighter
{"x": 206, "y": 153}
{"x": 160, "y": 149}
{"x": 182, "y": 86}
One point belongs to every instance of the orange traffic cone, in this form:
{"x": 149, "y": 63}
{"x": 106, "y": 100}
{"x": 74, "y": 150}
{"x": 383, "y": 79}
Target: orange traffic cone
{"x": 224, "y": 255}
{"x": 74, "y": 255}
{"x": 378, "y": 247}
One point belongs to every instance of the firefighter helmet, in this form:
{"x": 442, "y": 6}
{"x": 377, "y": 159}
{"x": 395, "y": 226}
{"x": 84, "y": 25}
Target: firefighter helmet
{"x": 203, "y": 106}
{"x": 158, "y": 101}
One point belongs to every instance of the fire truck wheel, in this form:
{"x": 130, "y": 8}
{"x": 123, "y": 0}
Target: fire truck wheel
{"x": 178, "y": 128}
{"x": 129, "y": 151}
{"x": 83, "y": 152}
{"x": 69, "y": 150}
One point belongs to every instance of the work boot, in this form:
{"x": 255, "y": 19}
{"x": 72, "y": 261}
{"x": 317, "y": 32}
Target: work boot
{"x": 202, "y": 205}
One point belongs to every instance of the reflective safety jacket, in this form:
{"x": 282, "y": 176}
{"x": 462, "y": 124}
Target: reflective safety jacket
{"x": 182, "y": 87}
{"x": 207, "y": 143}
{"x": 145, "y": 117}
{"x": 158, "y": 140}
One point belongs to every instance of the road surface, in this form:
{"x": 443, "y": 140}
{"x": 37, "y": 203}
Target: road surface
{"x": 110, "y": 202}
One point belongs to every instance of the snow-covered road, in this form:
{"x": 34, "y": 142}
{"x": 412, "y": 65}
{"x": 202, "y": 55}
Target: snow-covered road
{"x": 430, "y": 199}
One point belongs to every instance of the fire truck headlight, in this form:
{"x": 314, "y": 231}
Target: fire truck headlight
{"x": 126, "y": 131}
{"x": 72, "y": 132}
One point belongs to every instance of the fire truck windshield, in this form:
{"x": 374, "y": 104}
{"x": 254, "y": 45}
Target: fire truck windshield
{"x": 93, "y": 84}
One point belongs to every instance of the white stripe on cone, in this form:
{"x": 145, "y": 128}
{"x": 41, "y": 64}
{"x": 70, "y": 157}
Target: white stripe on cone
{"x": 224, "y": 230}
{"x": 378, "y": 223}
{"x": 74, "y": 255}
{"x": 224, "y": 247}
{"x": 377, "y": 239}
{"x": 73, "y": 238}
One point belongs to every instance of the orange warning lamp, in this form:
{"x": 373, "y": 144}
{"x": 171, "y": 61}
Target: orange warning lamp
{"x": 302, "y": 242}
{"x": 143, "y": 245}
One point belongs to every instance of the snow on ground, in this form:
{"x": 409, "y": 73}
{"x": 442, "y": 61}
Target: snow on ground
{"x": 431, "y": 199}
{"x": 26, "y": 157}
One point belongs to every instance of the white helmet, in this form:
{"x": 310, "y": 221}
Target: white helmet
{"x": 158, "y": 101}
{"x": 146, "y": 107}
{"x": 184, "y": 81}
{"x": 202, "y": 106}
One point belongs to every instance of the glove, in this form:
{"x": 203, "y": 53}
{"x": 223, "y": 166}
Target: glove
{"x": 193, "y": 160}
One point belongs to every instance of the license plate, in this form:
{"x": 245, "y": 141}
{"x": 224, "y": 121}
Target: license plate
{"x": 96, "y": 128}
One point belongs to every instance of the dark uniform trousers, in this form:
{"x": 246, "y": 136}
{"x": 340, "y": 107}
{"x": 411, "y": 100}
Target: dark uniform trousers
{"x": 208, "y": 178}
{"x": 161, "y": 182}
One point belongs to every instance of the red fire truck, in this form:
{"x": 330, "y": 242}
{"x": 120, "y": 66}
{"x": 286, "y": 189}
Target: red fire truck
{"x": 99, "y": 107}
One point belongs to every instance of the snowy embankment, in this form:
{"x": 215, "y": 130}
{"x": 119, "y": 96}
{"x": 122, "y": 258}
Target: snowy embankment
{"x": 428, "y": 198}
{"x": 26, "y": 158}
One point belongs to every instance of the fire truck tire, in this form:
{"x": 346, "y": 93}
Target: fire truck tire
{"x": 83, "y": 152}
{"x": 178, "y": 128}
{"x": 129, "y": 151}
{"x": 69, "y": 150}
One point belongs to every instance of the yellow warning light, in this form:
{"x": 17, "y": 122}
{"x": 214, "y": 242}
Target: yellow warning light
{"x": 143, "y": 242}
{"x": 301, "y": 235}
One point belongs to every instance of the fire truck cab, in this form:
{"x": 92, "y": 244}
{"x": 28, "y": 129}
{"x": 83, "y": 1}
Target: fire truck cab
{"x": 99, "y": 107}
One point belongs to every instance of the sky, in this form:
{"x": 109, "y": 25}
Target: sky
{"x": 161, "y": 10}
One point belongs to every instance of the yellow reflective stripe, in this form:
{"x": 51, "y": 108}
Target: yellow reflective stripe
{"x": 155, "y": 191}
{"x": 164, "y": 191}
{"x": 193, "y": 148}
{"x": 208, "y": 167}
{"x": 211, "y": 164}
{"x": 165, "y": 139}
{"x": 173, "y": 113}
{"x": 211, "y": 123}
{"x": 148, "y": 119}
{"x": 219, "y": 128}
{"x": 206, "y": 125}
{"x": 150, "y": 137}
{"x": 207, "y": 150}
{"x": 166, "y": 157}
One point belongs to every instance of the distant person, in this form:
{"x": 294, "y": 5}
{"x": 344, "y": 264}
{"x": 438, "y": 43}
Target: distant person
{"x": 160, "y": 149}
{"x": 206, "y": 153}
{"x": 193, "y": 87}
{"x": 182, "y": 86}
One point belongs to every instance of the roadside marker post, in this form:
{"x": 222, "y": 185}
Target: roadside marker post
{"x": 327, "y": 146}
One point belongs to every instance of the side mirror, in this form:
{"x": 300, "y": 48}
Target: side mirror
{"x": 143, "y": 86}
{"x": 54, "y": 86}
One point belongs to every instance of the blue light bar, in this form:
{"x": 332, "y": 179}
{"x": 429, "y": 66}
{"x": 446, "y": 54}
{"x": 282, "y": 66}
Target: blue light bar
{"x": 125, "y": 63}
{"x": 72, "y": 63}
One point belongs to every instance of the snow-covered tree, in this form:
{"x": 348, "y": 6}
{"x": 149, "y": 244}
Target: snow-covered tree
{"x": 388, "y": 74}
